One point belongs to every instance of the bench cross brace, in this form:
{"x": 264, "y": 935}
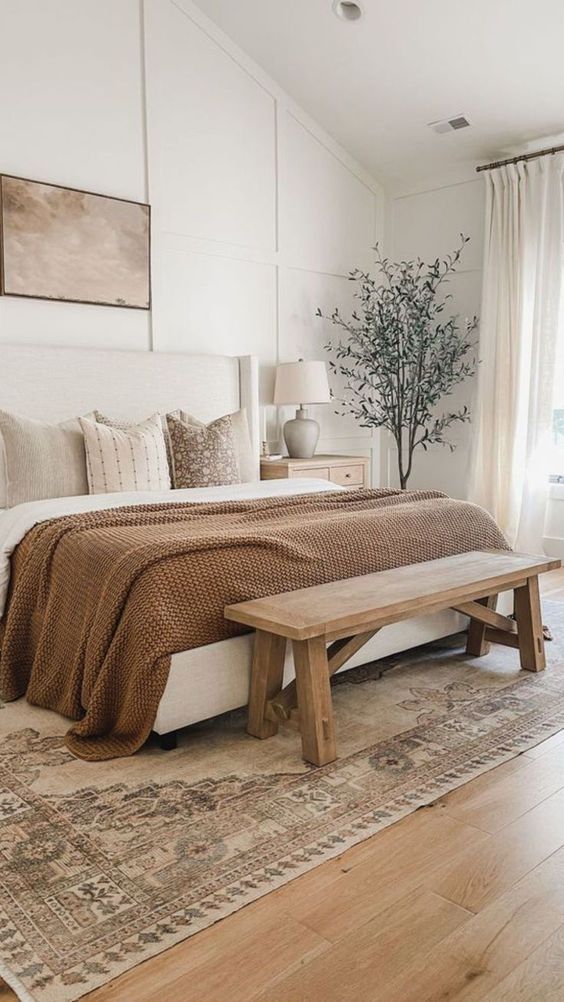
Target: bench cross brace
{"x": 314, "y": 663}
{"x": 283, "y": 706}
{"x": 525, "y": 632}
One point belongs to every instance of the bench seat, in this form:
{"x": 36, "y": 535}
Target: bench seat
{"x": 346, "y": 614}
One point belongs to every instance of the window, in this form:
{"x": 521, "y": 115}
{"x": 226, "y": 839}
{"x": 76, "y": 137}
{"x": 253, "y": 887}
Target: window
{"x": 557, "y": 454}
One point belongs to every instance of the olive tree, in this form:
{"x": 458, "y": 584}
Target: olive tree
{"x": 402, "y": 352}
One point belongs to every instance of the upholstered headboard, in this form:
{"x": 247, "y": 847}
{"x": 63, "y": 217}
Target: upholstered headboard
{"x": 52, "y": 384}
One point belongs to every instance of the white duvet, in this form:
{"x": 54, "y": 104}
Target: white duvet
{"x": 16, "y": 522}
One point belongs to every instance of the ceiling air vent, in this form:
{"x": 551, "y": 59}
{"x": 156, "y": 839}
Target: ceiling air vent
{"x": 450, "y": 124}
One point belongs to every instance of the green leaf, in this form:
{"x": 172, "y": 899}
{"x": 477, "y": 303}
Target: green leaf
{"x": 397, "y": 358}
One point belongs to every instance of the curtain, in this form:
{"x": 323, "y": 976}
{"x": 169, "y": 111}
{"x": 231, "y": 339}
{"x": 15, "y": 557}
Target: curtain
{"x": 521, "y": 318}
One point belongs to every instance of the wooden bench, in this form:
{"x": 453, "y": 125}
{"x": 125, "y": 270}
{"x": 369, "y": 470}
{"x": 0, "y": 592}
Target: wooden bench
{"x": 346, "y": 614}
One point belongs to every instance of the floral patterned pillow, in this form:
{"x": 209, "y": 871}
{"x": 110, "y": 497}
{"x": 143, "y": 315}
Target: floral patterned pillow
{"x": 203, "y": 456}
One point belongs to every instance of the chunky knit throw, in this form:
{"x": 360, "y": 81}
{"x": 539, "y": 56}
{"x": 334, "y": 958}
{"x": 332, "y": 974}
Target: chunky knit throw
{"x": 99, "y": 602}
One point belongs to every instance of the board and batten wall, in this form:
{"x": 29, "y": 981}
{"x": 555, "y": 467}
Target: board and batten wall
{"x": 257, "y": 214}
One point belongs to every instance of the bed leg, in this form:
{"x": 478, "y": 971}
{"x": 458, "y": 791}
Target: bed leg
{"x": 168, "y": 742}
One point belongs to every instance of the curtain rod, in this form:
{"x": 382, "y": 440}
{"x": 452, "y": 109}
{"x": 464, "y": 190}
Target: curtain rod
{"x": 524, "y": 156}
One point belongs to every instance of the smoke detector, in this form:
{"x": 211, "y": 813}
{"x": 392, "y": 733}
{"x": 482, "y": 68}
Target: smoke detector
{"x": 347, "y": 10}
{"x": 450, "y": 124}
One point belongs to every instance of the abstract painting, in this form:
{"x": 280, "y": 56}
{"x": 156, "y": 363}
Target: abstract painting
{"x": 65, "y": 244}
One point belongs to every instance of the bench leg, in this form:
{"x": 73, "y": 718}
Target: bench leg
{"x": 314, "y": 701}
{"x": 476, "y": 643}
{"x": 529, "y": 626}
{"x": 267, "y": 675}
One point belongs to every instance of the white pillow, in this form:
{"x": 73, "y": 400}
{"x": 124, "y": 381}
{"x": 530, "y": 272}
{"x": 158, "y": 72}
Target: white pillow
{"x": 124, "y": 425}
{"x": 125, "y": 459}
{"x": 40, "y": 460}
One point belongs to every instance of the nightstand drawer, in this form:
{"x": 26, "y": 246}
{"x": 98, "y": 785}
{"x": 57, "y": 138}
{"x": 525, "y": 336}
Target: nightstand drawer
{"x": 345, "y": 471}
{"x": 348, "y": 476}
{"x": 318, "y": 472}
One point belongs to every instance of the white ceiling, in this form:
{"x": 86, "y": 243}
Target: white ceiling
{"x": 374, "y": 84}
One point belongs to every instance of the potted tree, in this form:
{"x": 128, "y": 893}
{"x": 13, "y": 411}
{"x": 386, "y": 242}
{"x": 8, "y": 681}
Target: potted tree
{"x": 401, "y": 353}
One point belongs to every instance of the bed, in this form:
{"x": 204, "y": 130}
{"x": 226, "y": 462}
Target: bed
{"x": 52, "y": 384}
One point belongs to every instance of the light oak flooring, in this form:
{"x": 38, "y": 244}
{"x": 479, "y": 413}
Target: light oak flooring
{"x": 463, "y": 900}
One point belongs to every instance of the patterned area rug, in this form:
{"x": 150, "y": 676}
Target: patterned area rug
{"x": 103, "y": 865}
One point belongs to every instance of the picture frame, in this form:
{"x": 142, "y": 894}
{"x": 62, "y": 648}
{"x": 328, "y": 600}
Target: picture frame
{"x": 72, "y": 245}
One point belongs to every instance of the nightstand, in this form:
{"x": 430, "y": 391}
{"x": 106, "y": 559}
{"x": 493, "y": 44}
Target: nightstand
{"x": 347, "y": 471}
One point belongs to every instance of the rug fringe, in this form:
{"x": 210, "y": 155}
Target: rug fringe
{"x": 15, "y": 984}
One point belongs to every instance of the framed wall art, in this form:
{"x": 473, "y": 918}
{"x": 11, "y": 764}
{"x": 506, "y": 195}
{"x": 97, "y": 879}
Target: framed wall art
{"x": 71, "y": 245}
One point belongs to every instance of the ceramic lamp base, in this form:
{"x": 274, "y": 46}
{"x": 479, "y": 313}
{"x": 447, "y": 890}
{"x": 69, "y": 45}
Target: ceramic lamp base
{"x": 301, "y": 435}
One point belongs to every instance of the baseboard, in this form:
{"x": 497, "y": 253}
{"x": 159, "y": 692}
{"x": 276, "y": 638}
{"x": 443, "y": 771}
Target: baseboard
{"x": 553, "y": 546}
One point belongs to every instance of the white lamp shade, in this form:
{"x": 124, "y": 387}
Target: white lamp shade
{"x": 302, "y": 383}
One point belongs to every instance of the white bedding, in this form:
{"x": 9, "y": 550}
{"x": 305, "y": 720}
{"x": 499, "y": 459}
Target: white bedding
{"x": 16, "y": 522}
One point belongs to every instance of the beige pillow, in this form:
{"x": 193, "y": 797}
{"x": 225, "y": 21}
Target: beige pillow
{"x": 124, "y": 425}
{"x": 203, "y": 455}
{"x": 243, "y": 446}
{"x": 41, "y": 460}
{"x": 131, "y": 458}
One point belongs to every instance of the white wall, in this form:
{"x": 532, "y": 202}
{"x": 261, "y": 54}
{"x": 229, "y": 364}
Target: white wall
{"x": 71, "y": 113}
{"x": 428, "y": 224}
{"x": 257, "y": 215}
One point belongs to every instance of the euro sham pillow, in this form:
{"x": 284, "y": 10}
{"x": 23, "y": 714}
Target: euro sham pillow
{"x": 203, "y": 455}
{"x": 125, "y": 458}
{"x": 243, "y": 447}
{"x": 40, "y": 460}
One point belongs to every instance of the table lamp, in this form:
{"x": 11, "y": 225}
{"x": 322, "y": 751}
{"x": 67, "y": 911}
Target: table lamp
{"x": 301, "y": 383}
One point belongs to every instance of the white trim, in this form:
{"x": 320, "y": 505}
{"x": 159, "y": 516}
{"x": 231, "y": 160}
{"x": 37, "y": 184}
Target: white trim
{"x": 145, "y": 139}
{"x": 553, "y": 546}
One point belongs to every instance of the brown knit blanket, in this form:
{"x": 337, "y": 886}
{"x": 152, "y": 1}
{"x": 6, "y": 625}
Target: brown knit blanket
{"x": 99, "y": 602}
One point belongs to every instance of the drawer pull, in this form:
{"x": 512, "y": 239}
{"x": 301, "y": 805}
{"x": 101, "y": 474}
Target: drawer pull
{"x": 348, "y": 476}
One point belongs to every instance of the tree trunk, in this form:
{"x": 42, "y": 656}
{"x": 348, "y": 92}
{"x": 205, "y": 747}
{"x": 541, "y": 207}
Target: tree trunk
{"x": 403, "y": 476}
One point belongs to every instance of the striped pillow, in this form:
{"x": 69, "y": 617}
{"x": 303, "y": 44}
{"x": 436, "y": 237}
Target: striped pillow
{"x": 124, "y": 425}
{"x": 125, "y": 459}
{"x": 39, "y": 460}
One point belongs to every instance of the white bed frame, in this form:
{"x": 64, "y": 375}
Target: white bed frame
{"x": 52, "y": 384}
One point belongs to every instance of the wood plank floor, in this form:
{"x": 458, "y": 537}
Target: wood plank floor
{"x": 463, "y": 900}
